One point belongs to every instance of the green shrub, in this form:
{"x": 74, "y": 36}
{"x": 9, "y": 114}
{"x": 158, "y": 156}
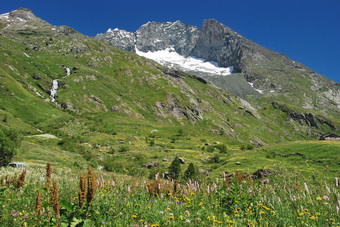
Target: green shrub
{"x": 222, "y": 148}
{"x": 123, "y": 149}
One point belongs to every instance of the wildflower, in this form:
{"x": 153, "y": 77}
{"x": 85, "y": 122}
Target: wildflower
{"x": 134, "y": 216}
{"x": 313, "y": 218}
{"x": 21, "y": 179}
{"x": 141, "y": 220}
{"x": 301, "y": 214}
{"x": 217, "y": 221}
{"x": 82, "y": 192}
{"x": 48, "y": 176}
{"x": 306, "y": 187}
{"x": 201, "y": 203}
{"x": 168, "y": 208}
{"x": 237, "y": 215}
{"x": 172, "y": 217}
{"x": 155, "y": 225}
{"x": 9, "y": 199}
{"x": 318, "y": 198}
{"x": 55, "y": 200}
{"x": 318, "y": 213}
{"x": 325, "y": 197}
{"x": 262, "y": 212}
{"x": 38, "y": 204}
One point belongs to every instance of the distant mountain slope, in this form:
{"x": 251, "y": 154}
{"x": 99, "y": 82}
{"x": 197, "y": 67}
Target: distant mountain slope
{"x": 266, "y": 72}
{"x": 99, "y": 91}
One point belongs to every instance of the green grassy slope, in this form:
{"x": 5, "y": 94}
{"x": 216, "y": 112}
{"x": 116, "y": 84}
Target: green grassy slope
{"x": 115, "y": 100}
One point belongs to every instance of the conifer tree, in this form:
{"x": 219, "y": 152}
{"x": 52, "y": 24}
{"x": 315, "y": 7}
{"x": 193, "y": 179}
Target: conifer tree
{"x": 191, "y": 172}
{"x": 175, "y": 168}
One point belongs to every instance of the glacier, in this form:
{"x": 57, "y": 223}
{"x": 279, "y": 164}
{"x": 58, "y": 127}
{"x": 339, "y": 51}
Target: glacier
{"x": 172, "y": 59}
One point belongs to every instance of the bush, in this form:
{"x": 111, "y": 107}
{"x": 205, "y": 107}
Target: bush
{"x": 250, "y": 147}
{"x": 9, "y": 141}
{"x": 214, "y": 159}
{"x": 123, "y": 149}
{"x": 222, "y": 148}
{"x": 210, "y": 149}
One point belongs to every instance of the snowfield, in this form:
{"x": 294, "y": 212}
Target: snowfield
{"x": 171, "y": 58}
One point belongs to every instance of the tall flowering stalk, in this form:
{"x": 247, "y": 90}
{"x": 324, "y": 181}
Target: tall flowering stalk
{"x": 21, "y": 179}
{"x": 91, "y": 186}
{"x": 38, "y": 204}
{"x": 82, "y": 193}
{"x": 55, "y": 200}
{"x": 48, "y": 176}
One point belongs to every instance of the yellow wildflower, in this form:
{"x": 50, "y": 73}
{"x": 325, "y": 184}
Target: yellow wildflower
{"x": 262, "y": 212}
{"x": 318, "y": 198}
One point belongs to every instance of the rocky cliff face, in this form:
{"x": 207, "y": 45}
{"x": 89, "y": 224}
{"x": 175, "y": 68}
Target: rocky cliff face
{"x": 257, "y": 70}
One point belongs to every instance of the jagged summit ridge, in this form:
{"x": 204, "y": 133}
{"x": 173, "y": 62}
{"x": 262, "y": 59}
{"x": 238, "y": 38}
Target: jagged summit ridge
{"x": 22, "y": 18}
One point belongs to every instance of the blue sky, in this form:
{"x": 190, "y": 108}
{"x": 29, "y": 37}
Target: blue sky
{"x": 307, "y": 31}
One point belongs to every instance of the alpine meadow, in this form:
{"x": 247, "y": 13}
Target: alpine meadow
{"x": 171, "y": 125}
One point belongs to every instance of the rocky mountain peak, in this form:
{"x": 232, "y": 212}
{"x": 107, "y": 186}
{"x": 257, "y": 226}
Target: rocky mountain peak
{"x": 22, "y": 18}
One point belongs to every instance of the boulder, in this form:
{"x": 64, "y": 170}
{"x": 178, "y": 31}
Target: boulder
{"x": 261, "y": 173}
{"x": 151, "y": 164}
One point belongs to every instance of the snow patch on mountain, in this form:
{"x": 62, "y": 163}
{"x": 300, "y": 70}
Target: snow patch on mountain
{"x": 258, "y": 90}
{"x": 4, "y": 16}
{"x": 171, "y": 58}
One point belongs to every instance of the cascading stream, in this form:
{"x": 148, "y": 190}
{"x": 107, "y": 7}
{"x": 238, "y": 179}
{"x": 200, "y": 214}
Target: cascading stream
{"x": 55, "y": 85}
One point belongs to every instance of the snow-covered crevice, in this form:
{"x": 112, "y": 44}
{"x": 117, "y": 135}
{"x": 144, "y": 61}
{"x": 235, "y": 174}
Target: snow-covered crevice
{"x": 258, "y": 90}
{"x": 171, "y": 58}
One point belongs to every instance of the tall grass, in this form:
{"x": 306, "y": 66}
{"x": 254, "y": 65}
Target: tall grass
{"x": 118, "y": 200}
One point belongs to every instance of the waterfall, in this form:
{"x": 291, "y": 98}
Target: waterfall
{"x": 55, "y": 85}
{"x": 53, "y": 90}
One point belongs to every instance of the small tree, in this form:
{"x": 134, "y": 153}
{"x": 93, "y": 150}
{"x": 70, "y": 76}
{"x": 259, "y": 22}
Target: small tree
{"x": 191, "y": 172}
{"x": 175, "y": 168}
{"x": 9, "y": 141}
